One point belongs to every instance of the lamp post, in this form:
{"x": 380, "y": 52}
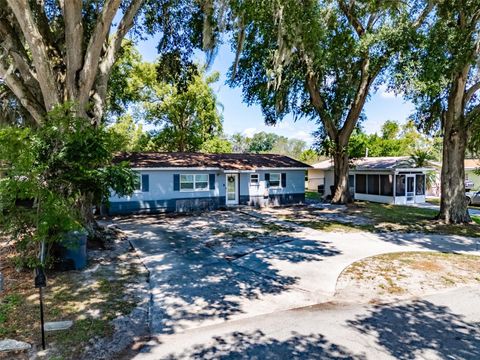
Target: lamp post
{"x": 40, "y": 283}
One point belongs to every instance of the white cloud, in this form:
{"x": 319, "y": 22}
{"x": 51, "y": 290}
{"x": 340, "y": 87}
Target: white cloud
{"x": 388, "y": 94}
{"x": 250, "y": 132}
{"x": 303, "y": 135}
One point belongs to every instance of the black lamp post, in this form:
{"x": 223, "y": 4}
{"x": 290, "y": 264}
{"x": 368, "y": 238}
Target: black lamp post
{"x": 40, "y": 283}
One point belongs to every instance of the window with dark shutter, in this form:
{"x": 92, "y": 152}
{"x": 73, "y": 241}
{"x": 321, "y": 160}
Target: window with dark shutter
{"x": 267, "y": 179}
{"x": 145, "y": 183}
{"x": 176, "y": 182}
{"x": 211, "y": 180}
{"x": 284, "y": 180}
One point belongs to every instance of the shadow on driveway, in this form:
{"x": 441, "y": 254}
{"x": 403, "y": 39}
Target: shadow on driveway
{"x": 405, "y": 330}
{"x": 191, "y": 284}
{"x": 256, "y": 345}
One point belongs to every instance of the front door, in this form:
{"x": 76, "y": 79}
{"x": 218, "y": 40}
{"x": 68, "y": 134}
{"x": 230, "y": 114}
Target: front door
{"x": 232, "y": 189}
{"x": 410, "y": 189}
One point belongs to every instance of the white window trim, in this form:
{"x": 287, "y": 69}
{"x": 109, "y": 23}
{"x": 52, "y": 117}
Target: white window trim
{"x": 257, "y": 183}
{"x": 207, "y": 188}
{"x": 279, "y": 186}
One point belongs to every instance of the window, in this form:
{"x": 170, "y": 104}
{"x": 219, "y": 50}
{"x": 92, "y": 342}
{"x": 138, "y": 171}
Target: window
{"x": 361, "y": 184}
{"x": 254, "y": 179}
{"x": 373, "y": 184}
{"x": 420, "y": 185}
{"x": 138, "y": 182}
{"x": 275, "y": 180}
{"x": 142, "y": 183}
{"x": 186, "y": 182}
{"x": 386, "y": 185}
{"x": 197, "y": 182}
{"x": 400, "y": 185}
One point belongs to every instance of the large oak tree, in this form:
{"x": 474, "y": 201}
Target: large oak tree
{"x": 440, "y": 72}
{"x": 58, "y": 51}
{"x": 319, "y": 59}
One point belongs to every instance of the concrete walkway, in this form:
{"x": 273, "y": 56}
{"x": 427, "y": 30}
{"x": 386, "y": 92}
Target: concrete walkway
{"x": 193, "y": 287}
{"x": 471, "y": 210}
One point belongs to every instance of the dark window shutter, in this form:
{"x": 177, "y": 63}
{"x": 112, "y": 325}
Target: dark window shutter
{"x": 211, "y": 180}
{"x": 145, "y": 183}
{"x": 267, "y": 179}
{"x": 284, "y": 180}
{"x": 176, "y": 182}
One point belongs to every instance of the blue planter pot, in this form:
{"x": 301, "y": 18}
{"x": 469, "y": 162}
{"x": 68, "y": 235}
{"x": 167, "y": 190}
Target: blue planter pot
{"x": 71, "y": 253}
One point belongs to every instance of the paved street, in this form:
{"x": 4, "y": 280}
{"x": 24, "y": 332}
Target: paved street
{"x": 442, "y": 326}
{"x": 195, "y": 289}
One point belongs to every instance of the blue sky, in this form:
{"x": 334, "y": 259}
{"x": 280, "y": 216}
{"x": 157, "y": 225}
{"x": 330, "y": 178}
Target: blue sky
{"x": 238, "y": 117}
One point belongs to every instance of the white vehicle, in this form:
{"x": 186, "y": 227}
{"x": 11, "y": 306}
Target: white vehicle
{"x": 473, "y": 197}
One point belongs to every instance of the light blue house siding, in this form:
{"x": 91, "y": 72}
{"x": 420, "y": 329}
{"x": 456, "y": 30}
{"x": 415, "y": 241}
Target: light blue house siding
{"x": 160, "y": 191}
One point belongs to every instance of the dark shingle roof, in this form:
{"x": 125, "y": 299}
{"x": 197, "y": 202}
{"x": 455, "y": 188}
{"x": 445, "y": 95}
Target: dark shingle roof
{"x": 201, "y": 160}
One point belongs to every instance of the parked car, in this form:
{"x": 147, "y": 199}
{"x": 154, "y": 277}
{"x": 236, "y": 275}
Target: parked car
{"x": 473, "y": 197}
{"x": 469, "y": 184}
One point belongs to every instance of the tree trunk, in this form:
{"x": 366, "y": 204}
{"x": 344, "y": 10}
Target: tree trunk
{"x": 341, "y": 194}
{"x": 453, "y": 205}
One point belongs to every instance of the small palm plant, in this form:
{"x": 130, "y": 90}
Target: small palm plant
{"x": 422, "y": 158}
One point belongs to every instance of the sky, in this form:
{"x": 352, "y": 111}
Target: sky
{"x": 239, "y": 117}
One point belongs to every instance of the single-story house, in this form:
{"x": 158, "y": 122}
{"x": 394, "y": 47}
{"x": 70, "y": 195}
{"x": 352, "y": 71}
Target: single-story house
{"x": 393, "y": 180}
{"x": 179, "y": 182}
{"x": 472, "y": 180}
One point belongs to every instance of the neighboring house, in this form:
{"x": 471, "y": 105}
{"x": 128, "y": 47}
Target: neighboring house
{"x": 472, "y": 180}
{"x": 179, "y": 182}
{"x": 393, "y": 180}
{"x": 321, "y": 178}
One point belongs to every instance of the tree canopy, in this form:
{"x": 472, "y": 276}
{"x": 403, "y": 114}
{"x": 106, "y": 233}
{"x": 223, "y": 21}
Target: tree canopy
{"x": 319, "y": 59}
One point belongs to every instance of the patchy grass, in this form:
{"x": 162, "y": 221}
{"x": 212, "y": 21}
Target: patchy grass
{"x": 313, "y": 195}
{"x": 250, "y": 232}
{"x": 407, "y": 274}
{"x": 332, "y": 226}
{"x": 90, "y": 298}
{"x": 414, "y": 219}
{"x": 434, "y": 201}
{"x": 375, "y": 217}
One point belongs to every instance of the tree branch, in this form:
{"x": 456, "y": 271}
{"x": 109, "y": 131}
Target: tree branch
{"x": 471, "y": 92}
{"x": 110, "y": 56}
{"x": 72, "y": 13}
{"x": 27, "y": 100}
{"x": 41, "y": 60}
{"x": 14, "y": 48}
{"x": 359, "y": 100}
{"x": 94, "y": 49}
{"x": 356, "y": 24}
{"x": 319, "y": 105}
{"x": 423, "y": 15}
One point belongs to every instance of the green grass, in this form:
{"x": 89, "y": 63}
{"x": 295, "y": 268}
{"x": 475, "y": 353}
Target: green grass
{"x": 313, "y": 195}
{"x": 399, "y": 218}
{"x": 332, "y": 226}
{"x": 106, "y": 293}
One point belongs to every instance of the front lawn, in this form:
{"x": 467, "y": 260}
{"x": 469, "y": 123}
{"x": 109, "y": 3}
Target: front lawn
{"x": 414, "y": 219}
{"x": 375, "y": 217}
{"x": 92, "y": 298}
{"x": 313, "y": 195}
{"x": 407, "y": 274}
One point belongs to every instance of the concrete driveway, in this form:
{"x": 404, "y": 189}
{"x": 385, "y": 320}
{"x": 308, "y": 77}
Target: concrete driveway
{"x": 196, "y": 285}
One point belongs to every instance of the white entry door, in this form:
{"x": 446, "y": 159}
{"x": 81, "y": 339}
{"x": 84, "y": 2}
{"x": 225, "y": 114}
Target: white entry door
{"x": 410, "y": 189}
{"x": 232, "y": 189}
